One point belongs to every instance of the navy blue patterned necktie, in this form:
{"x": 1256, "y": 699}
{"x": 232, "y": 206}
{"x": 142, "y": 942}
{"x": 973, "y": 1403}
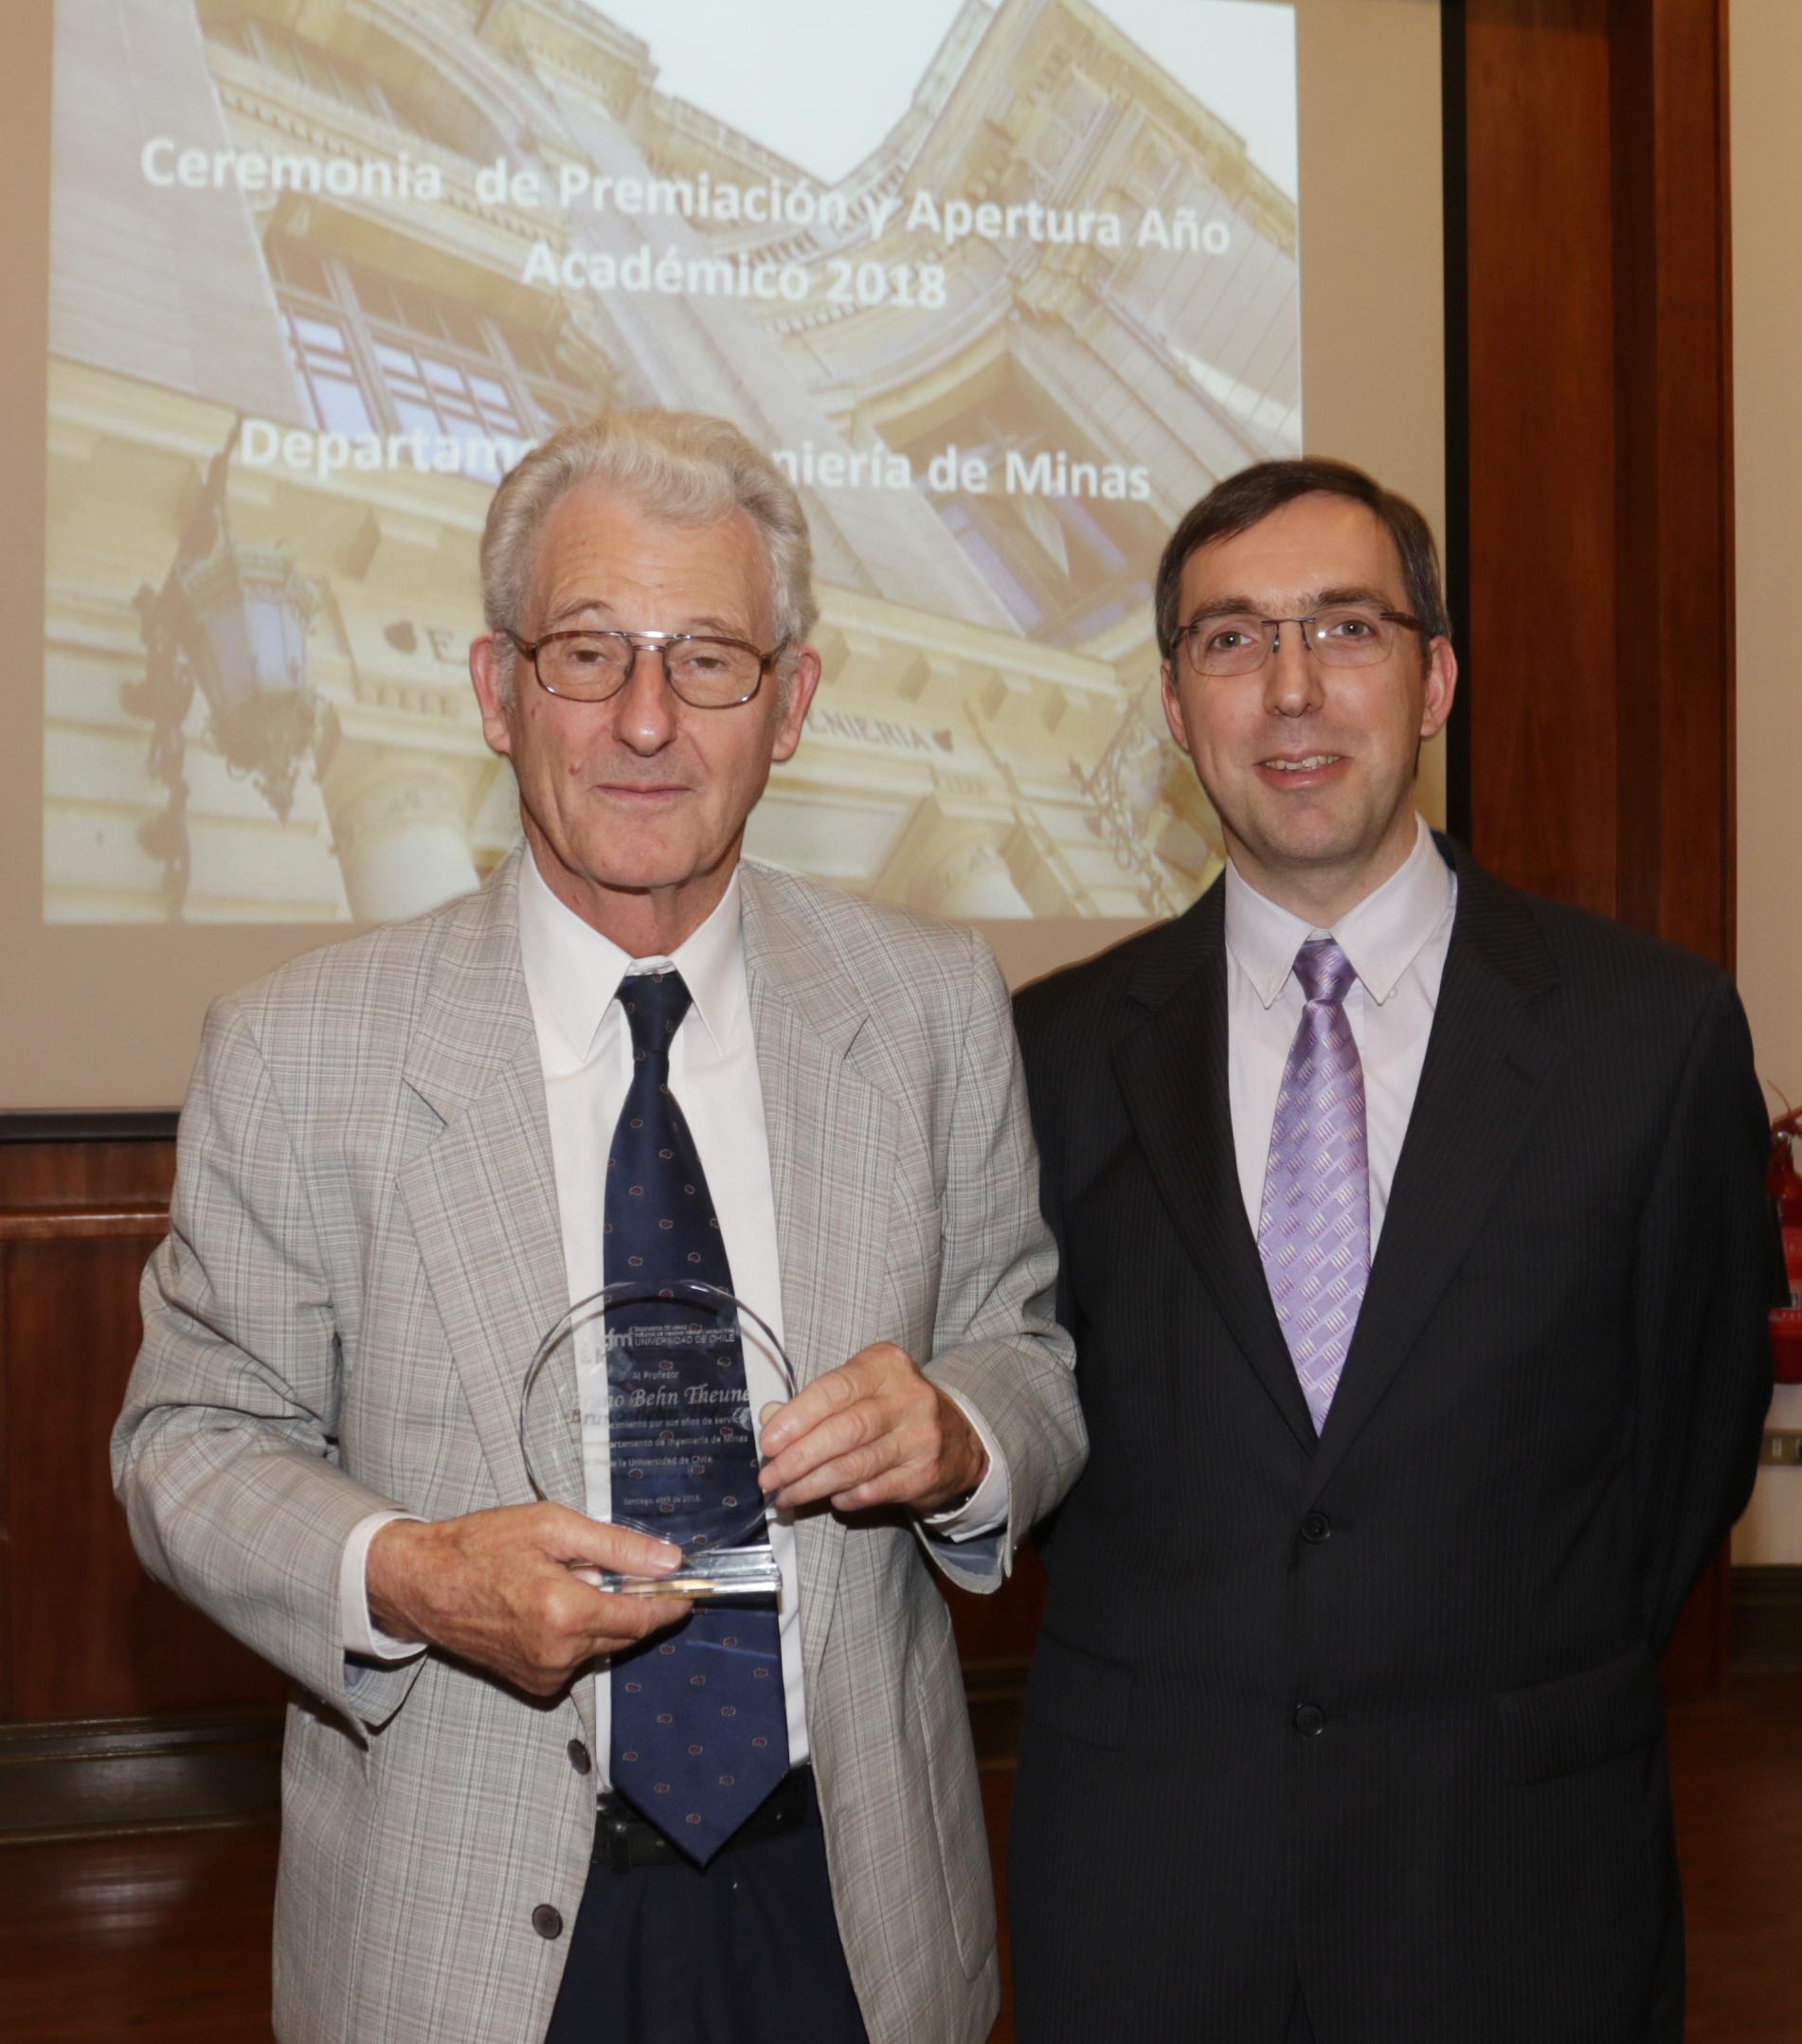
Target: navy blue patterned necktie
{"x": 700, "y": 1725}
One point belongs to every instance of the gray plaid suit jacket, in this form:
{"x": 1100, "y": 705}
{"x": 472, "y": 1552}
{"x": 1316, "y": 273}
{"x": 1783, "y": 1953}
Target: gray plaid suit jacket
{"x": 363, "y": 1250}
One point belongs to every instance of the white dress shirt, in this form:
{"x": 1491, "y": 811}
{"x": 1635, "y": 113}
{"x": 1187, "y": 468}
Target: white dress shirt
{"x": 572, "y": 977}
{"x": 1396, "y": 940}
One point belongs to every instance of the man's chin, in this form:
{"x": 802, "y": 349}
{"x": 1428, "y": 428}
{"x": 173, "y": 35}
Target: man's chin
{"x": 644, "y": 862}
{"x": 1309, "y": 836}
{"x": 622, "y": 863}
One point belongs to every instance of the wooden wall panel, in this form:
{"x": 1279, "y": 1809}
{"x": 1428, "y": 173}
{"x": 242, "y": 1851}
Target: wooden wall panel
{"x": 1674, "y": 430}
{"x": 90, "y": 1635}
{"x": 83, "y": 1633}
{"x": 1598, "y": 654}
{"x": 81, "y": 1175}
{"x": 1599, "y": 650}
{"x": 1540, "y": 696}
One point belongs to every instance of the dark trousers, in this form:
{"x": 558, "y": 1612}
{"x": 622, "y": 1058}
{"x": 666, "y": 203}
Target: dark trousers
{"x": 743, "y": 1951}
{"x": 1300, "y": 2030}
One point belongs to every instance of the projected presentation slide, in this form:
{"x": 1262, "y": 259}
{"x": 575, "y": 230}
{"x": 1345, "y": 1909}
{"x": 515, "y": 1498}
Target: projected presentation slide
{"x": 1003, "y": 287}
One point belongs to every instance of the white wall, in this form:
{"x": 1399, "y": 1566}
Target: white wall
{"x": 1764, "y": 66}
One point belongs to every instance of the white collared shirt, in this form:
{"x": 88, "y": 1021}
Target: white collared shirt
{"x": 573, "y": 975}
{"x": 1396, "y": 940}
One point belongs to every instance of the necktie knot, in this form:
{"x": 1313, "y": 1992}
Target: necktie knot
{"x": 1324, "y": 971}
{"x": 655, "y": 1004}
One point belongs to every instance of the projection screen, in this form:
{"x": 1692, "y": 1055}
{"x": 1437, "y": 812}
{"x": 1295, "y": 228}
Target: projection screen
{"x": 1003, "y": 284}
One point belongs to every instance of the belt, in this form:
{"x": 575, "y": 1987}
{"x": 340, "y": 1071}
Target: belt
{"x": 624, "y": 1839}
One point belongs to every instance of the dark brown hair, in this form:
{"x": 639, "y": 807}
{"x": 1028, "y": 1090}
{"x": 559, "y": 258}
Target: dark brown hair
{"x": 1240, "y": 502}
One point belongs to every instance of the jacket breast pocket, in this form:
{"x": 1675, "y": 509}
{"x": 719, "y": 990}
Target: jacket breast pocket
{"x": 1581, "y": 1720}
{"x": 1079, "y": 1693}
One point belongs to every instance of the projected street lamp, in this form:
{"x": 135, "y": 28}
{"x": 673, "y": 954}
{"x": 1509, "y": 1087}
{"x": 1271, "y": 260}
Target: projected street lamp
{"x": 231, "y": 621}
{"x": 250, "y": 654}
{"x": 1120, "y": 793}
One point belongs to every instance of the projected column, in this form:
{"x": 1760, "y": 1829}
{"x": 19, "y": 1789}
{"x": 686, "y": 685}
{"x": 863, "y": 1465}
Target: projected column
{"x": 401, "y": 835}
{"x": 977, "y": 883}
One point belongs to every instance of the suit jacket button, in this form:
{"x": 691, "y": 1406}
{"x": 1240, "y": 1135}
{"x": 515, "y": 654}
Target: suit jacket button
{"x": 547, "y": 1922}
{"x": 1317, "y": 1527}
{"x": 1310, "y": 1720}
{"x": 579, "y": 1756}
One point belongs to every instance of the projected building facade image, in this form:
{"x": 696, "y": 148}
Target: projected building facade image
{"x": 378, "y": 249}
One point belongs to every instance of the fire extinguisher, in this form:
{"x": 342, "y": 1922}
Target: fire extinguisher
{"x": 1784, "y": 1183}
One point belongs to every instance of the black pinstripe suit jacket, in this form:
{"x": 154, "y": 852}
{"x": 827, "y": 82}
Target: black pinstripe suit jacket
{"x": 1380, "y": 1713}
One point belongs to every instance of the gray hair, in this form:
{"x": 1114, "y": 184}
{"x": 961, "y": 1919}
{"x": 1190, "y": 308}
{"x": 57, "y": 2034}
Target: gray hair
{"x": 684, "y": 467}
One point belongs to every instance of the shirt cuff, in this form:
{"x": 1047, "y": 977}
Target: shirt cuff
{"x": 362, "y": 1635}
{"x": 985, "y": 1511}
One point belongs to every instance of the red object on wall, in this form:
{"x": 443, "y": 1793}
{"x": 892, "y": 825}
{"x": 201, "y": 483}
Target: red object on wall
{"x": 1785, "y": 1185}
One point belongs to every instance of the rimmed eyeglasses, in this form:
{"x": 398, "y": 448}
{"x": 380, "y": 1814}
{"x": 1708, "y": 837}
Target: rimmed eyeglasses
{"x": 1340, "y": 634}
{"x": 705, "y": 672}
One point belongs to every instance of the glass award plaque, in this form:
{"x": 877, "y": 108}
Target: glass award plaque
{"x": 649, "y": 1378}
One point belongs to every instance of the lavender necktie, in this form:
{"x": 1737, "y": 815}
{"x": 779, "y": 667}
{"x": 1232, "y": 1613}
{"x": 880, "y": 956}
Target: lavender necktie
{"x": 1314, "y": 1231}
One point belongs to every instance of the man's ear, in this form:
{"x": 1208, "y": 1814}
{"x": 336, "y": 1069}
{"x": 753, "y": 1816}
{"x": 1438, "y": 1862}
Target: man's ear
{"x": 491, "y": 696}
{"x": 803, "y": 678}
{"x": 1173, "y": 706}
{"x": 1442, "y": 688}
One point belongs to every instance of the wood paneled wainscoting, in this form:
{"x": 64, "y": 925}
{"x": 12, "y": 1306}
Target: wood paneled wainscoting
{"x": 120, "y": 1705}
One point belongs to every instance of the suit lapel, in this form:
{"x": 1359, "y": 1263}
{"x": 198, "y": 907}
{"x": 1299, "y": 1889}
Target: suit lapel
{"x": 831, "y": 1159}
{"x": 482, "y": 1198}
{"x": 1488, "y": 1061}
{"x": 481, "y": 1195}
{"x": 1172, "y": 1074}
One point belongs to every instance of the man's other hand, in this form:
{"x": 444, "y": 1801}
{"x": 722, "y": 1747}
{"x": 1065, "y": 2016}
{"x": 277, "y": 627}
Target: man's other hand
{"x": 498, "y": 1588}
{"x": 874, "y": 1431}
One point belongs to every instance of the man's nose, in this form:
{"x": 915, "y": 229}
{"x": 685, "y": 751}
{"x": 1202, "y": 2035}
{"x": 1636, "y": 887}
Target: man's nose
{"x": 1292, "y": 674}
{"x": 644, "y": 715}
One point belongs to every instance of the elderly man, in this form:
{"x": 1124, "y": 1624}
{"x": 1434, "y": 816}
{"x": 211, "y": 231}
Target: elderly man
{"x": 1414, "y": 1244}
{"x": 517, "y": 1805}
